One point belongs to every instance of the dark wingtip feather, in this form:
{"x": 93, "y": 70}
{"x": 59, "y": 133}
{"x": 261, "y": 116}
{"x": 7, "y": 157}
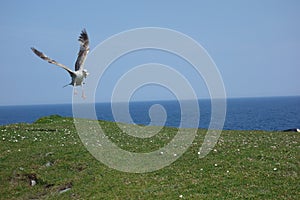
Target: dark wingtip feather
{"x": 83, "y": 36}
{"x": 38, "y": 53}
{"x": 35, "y": 51}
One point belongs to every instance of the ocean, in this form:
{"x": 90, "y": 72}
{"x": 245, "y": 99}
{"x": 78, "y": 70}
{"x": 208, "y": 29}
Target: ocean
{"x": 269, "y": 113}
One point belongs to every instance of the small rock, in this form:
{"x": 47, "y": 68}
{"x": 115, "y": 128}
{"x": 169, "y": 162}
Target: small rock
{"x": 32, "y": 182}
{"x": 32, "y": 179}
{"x": 66, "y": 188}
{"x": 49, "y": 153}
{"x": 49, "y": 164}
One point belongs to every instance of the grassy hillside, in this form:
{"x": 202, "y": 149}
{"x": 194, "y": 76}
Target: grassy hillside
{"x": 243, "y": 165}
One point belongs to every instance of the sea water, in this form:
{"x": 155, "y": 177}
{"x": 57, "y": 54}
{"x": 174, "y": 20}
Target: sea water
{"x": 272, "y": 113}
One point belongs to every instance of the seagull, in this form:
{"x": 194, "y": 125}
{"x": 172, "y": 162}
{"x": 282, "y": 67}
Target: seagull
{"x": 80, "y": 73}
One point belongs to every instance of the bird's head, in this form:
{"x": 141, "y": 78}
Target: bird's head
{"x": 85, "y": 73}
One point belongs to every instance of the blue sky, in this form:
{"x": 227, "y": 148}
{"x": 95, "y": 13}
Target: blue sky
{"x": 255, "y": 44}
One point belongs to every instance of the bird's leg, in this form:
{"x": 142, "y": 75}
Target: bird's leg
{"x": 83, "y": 94}
{"x": 75, "y": 91}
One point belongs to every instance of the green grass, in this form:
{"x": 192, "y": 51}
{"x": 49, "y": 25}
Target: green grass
{"x": 243, "y": 165}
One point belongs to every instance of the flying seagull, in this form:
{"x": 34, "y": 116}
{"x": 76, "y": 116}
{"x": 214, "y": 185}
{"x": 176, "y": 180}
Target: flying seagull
{"x": 80, "y": 73}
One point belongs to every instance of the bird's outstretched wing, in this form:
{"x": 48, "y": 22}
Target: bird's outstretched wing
{"x": 83, "y": 51}
{"x": 49, "y": 60}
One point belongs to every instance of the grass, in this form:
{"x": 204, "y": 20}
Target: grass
{"x": 243, "y": 165}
